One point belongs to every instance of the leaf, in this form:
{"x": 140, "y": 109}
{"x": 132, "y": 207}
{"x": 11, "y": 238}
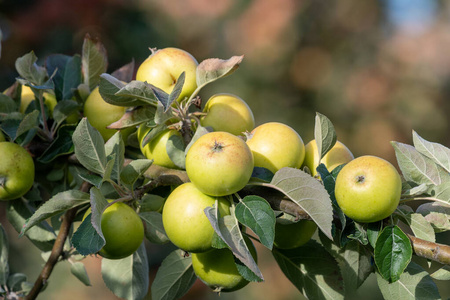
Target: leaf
{"x": 79, "y": 271}
{"x": 441, "y": 193}
{"x": 4, "y": 251}
{"x": 135, "y": 93}
{"x": 308, "y": 193}
{"x": 392, "y": 253}
{"x": 418, "y": 168}
{"x": 353, "y": 260}
{"x": 312, "y": 270}
{"x": 373, "y": 231}
{"x": 262, "y": 174}
{"x": 437, "y": 214}
{"x": 59, "y": 203}
{"x": 115, "y": 150}
{"x": 98, "y": 206}
{"x": 7, "y": 105}
{"x": 413, "y": 284}
{"x": 175, "y": 151}
{"x": 134, "y": 117}
{"x": 437, "y": 152}
{"x": 255, "y": 213}
{"x": 174, "y": 278}
{"x": 154, "y": 229}
{"x": 28, "y": 69}
{"x": 442, "y": 274}
{"x": 212, "y": 69}
{"x": 176, "y": 91}
{"x": 135, "y": 169}
{"x": 324, "y": 134}
{"x": 63, "y": 109}
{"x": 86, "y": 239}
{"x": 89, "y": 147}
{"x": 227, "y": 228}
{"x": 30, "y": 121}
{"x": 93, "y": 61}
{"x": 125, "y": 73}
{"x": 127, "y": 277}
{"x": 419, "y": 225}
{"x": 67, "y": 74}
{"x": 198, "y": 133}
{"x": 61, "y": 145}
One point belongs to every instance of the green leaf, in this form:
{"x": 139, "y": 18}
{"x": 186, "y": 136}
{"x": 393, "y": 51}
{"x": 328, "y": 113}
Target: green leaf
{"x": 262, "y": 174}
{"x": 176, "y": 91}
{"x": 413, "y": 284}
{"x": 373, "y": 231}
{"x": 98, "y": 206}
{"x": 127, "y": 277}
{"x": 59, "y": 203}
{"x": 135, "y": 93}
{"x": 115, "y": 150}
{"x": 135, "y": 117}
{"x": 16, "y": 282}
{"x": 154, "y": 229}
{"x": 86, "y": 239}
{"x": 93, "y": 61}
{"x": 175, "y": 151}
{"x": 392, "y": 253}
{"x": 255, "y": 213}
{"x": 30, "y": 121}
{"x": 418, "y": 168}
{"x": 63, "y": 109}
{"x": 4, "y": 249}
{"x": 227, "y": 228}
{"x": 308, "y": 193}
{"x": 125, "y": 73}
{"x": 441, "y": 193}
{"x": 198, "y": 133}
{"x": 437, "y": 214}
{"x": 312, "y": 270}
{"x": 419, "y": 225}
{"x": 79, "y": 271}
{"x": 353, "y": 260}
{"x": 7, "y": 105}
{"x": 135, "y": 169}
{"x": 324, "y": 134}
{"x": 442, "y": 274}
{"x": 437, "y": 152}
{"x": 28, "y": 69}
{"x": 61, "y": 145}
{"x": 153, "y": 133}
{"x": 212, "y": 69}
{"x": 67, "y": 74}
{"x": 89, "y": 147}
{"x": 174, "y": 278}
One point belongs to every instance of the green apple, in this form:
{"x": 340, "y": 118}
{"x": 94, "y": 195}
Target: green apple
{"x": 227, "y": 112}
{"x": 16, "y": 171}
{"x": 27, "y": 96}
{"x": 336, "y": 156}
{"x": 184, "y": 219}
{"x": 368, "y": 189}
{"x": 122, "y": 229}
{"x": 293, "y": 235}
{"x": 217, "y": 269}
{"x": 275, "y": 146}
{"x": 101, "y": 114}
{"x": 219, "y": 163}
{"x": 156, "y": 148}
{"x": 163, "y": 67}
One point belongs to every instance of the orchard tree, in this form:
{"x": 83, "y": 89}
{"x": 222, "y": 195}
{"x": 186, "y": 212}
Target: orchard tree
{"x": 82, "y": 161}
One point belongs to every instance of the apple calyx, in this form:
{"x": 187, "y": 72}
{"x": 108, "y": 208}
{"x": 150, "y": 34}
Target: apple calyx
{"x": 360, "y": 179}
{"x": 218, "y": 146}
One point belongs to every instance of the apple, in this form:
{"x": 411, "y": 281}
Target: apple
{"x": 276, "y": 145}
{"x": 27, "y": 96}
{"x": 293, "y": 235}
{"x": 16, "y": 171}
{"x": 156, "y": 148}
{"x": 184, "y": 220}
{"x": 101, "y": 114}
{"x": 217, "y": 269}
{"x": 227, "y": 112}
{"x": 368, "y": 189}
{"x": 122, "y": 229}
{"x": 2, "y": 136}
{"x": 336, "y": 156}
{"x": 219, "y": 163}
{"x": 163, "y": 67}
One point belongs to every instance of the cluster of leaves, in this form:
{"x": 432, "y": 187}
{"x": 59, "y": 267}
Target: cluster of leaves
{"x": 330, "y": 266}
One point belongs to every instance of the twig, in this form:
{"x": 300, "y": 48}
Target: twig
{"x": 57, "y": 249}
{"x": 429, "y": 250}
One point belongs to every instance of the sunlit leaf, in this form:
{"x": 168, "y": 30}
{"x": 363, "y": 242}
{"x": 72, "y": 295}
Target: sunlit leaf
{"x": 212, "y": 69}
{"x": 324, "y": 134}
{"x": 437, "y": 152}
{"x": 94, "y": 61}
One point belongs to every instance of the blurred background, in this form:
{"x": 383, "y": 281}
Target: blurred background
{"x": 377, "y": 68}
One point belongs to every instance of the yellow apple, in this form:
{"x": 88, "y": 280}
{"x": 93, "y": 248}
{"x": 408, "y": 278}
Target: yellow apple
{"x": 27, "y": 96}
{"x": 368, "y": 189}
{"x": 275, "y": 146}
{"x": 293, "y": 235}
{"x": 227, "y": 112}
{"x": 163, "y": 67}
{"x": 337, "y": 156}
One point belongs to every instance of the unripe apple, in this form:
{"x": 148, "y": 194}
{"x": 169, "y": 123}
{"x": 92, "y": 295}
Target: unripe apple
{"x": 16, "y": 171}
{"x": 184, "y": 219}
{"x": 275, "y": 145}
{"x": 227, "y": 112}
{"x": 289, "y": 236}
{"x": 336, "y": 156}
{"x": 27, "y": 96}
{"x": 163, "y": 67}
{"x": 219, "y": 163}
{"x": 368, "y": 189}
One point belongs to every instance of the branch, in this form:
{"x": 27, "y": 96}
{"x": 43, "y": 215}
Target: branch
{"x": 429, "y": 250}
{"x": 57, "y": 249}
